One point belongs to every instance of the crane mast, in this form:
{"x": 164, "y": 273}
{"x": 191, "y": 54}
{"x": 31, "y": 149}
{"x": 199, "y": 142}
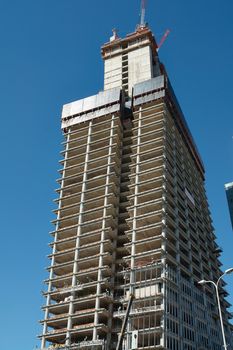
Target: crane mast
{"x": 143, "y": 13}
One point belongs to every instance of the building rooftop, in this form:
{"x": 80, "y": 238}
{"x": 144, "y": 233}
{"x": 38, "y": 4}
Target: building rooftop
{"x": 228, "y": 185}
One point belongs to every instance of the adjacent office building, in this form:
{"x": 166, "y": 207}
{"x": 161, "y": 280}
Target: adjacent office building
{"x": 132, "y": 217}
{"x": 229, "y": 194}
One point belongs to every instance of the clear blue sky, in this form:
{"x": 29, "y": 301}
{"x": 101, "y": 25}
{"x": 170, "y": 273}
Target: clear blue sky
{"x": 50, "y": 55}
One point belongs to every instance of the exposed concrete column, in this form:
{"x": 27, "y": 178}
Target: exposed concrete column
{"x": 99, "y": 279}
{"x": 48, "y": 299}
{"x": 133, "y": 248}
{"x": 77, "y": 246}
{"x": 114, "y": 254}
{"x": 164, "y": 266}
{"x": 164, "y": 234}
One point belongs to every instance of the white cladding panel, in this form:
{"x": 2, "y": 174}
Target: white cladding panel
{"x": 134, "y": 340}
{"x": 112, "y": 72}
{"x": 144, "y": 292}
{"x": 104, "y": 102}
{"x": 140, "y": 66}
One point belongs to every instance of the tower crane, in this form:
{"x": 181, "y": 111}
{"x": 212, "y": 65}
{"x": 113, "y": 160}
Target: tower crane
{"x": 124, "y": 324}
{"x": 143, "y": 13}
{"x": 164, "y": 37}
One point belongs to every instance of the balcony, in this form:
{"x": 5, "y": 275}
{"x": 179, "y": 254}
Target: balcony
{"x": 58, "y": 335}
{"x": 87, "y": 345}
{"x": 139, "y": 311}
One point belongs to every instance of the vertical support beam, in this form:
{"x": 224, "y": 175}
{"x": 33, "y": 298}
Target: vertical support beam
{"x": 133, "y": 249}
{"x": 164, "y": 194}
{"x": 114, "y": 254}
{"x": 133, "y": 246}
{"x": 165, "y": 268}
{"x": 43, "y": 341}
{"x": 99, "y": 279}
{"x": 77, "y": 245}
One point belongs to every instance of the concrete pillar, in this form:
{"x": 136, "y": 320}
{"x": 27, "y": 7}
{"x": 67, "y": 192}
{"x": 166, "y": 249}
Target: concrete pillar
{"x": 99, "y": 279}
{"x": 77, "y": 245}
{"x": 48, "y": 299}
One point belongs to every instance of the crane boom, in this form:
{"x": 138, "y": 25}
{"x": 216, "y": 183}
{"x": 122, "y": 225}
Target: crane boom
{"x": 163, "y": 39}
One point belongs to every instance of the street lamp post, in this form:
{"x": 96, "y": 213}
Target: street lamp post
{"x": 202, "y": 282}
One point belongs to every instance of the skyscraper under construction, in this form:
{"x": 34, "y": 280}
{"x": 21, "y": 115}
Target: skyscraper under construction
{"x": 132, "y": 217}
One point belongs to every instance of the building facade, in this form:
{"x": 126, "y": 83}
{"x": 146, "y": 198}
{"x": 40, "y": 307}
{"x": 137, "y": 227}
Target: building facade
{"x": 229, "y": 194}
{"x": 132, "y": 217}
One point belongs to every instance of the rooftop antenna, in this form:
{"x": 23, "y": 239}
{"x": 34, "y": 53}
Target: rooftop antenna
{"x": 115, "y": 34}
{"x": 143, "y": 13}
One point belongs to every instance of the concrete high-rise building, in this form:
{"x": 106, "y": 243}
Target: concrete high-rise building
{"x": 229, "y": 194}
{"x": 132, "y": 217}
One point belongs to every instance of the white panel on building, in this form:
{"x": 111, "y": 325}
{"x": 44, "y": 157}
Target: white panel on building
{"x": 112, "y": 72}
{"x": 140, "y": 66}
{"x": 134, "y": 340}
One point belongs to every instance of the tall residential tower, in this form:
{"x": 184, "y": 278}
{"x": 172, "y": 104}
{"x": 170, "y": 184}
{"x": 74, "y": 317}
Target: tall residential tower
{"x": 132, "y": 217}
